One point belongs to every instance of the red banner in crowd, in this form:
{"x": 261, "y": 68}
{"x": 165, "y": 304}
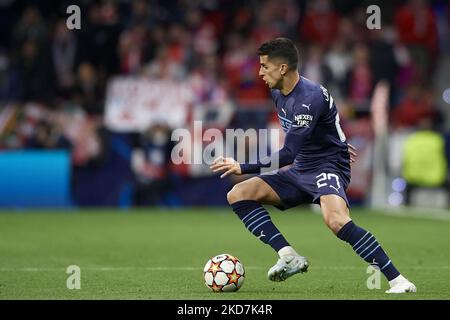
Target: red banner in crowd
{"x": 133, "y": 104}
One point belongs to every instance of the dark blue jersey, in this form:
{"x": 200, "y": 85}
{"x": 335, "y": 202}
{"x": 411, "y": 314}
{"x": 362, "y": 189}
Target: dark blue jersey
{"x": 310, "y": 119}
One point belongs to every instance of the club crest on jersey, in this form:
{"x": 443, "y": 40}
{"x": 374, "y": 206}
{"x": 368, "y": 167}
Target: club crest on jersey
{"x": 303, "y": 120}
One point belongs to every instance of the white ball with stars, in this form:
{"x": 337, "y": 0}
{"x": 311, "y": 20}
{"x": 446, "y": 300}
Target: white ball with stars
{"x": 224, "y": 273}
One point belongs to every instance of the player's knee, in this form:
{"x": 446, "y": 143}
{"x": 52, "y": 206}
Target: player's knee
{"x": 231, "y": 196}
{"x": 335, "y": 221}
{"x": 238, "y": 193}
{"x": 234, "y": 195}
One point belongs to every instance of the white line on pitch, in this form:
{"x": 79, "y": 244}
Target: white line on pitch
{"x": 416, "y": 212}
{"x": 107, "y": 269}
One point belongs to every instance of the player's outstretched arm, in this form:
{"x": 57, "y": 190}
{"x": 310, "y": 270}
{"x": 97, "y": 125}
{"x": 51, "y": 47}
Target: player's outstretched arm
{"x": 227, "y": 166}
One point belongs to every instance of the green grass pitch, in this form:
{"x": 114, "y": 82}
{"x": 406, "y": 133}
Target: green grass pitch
{"x": 160, "y": 254}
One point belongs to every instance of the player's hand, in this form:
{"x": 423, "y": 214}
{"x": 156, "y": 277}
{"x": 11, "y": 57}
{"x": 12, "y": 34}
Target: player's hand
{"x": 352, "y": 151}
{"x": 226, "y": 165}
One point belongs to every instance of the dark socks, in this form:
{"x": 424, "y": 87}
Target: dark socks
{"x": 257, "y": 220}
{"x": 368, "y": 248}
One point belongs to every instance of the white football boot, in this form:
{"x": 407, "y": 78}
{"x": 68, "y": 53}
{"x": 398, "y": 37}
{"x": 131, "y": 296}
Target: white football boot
{"x": 401, "y": 285}
{"x": 287, "y": 266}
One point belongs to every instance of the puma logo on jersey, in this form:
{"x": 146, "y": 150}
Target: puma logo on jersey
{"x": 337, "y": 189}
{"x": 306, "y": 106}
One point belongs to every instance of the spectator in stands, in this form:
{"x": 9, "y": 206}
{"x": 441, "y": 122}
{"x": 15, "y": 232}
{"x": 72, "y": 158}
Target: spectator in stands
{"x": 241, "y": 67}
{"x": 37, "y": 73}
{"x": 360, "y": 79}
{"x": 164, "y": 67}
{"x": 407, "y": 73}
{"x": 338, "y": 60}
{"x": 31, "y": 26}
{"x": 315, "y": 68}
{"x": 267, "y": 25}
{"x": 88, "y": 92}
{"x": 10, "y": 80}
{"x": 30, "y": 44}
{"x": 180, "y": 49}
{"x": 211, "y": 104}
{"x": 383, "y": 62}
{"x": 416, "y": 27}
{"x": 347, "y": 32}
{"x": 48, "y": 136}
{"x": 91, "y": 140}
{"x": 207, "y": 82}
{"x": 320, "y": 24}
{"x": 415, "y": 107}
{"x": 99, "y": 38}
{"x": 142, "y": 14}
{"x": 150, "y": 164}
{"x": 64, "y": 54}
{"x": 133, "y": 51}
{"x": 203, "y": 32}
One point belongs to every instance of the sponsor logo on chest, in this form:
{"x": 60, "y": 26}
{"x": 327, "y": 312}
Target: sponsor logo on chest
{"x": 303, "y": 120}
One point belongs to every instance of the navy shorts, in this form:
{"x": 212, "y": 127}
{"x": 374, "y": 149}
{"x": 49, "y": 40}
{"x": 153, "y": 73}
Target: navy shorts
{"x": 297, "y": 186}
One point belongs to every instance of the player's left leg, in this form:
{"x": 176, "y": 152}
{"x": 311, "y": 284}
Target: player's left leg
{"x": 337, "y": 217}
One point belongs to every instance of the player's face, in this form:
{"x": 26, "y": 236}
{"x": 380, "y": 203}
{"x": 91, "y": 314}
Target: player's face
{"x": 271, "y": 72}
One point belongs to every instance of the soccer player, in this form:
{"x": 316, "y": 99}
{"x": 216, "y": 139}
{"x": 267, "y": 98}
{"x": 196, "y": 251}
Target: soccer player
{"x": 315, "y": 147}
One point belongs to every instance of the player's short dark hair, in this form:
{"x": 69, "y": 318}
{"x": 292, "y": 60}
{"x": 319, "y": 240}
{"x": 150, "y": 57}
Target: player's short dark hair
{"x": 281, "y": 48}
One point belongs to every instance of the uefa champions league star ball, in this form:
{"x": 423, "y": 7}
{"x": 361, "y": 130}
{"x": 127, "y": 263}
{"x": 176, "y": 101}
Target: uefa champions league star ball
{"x": 224, "y": 273}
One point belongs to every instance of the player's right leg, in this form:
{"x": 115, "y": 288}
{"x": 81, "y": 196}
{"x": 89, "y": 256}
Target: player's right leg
{"x": 337, "y": 217}
{"x": 246, "y": 198}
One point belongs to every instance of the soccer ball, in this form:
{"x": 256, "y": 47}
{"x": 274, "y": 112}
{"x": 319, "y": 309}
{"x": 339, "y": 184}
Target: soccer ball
{"x": 224, "y": 273}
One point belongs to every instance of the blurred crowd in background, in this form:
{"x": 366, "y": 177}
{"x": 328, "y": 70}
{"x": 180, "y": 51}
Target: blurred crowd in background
{"x": 57, "y": 92}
